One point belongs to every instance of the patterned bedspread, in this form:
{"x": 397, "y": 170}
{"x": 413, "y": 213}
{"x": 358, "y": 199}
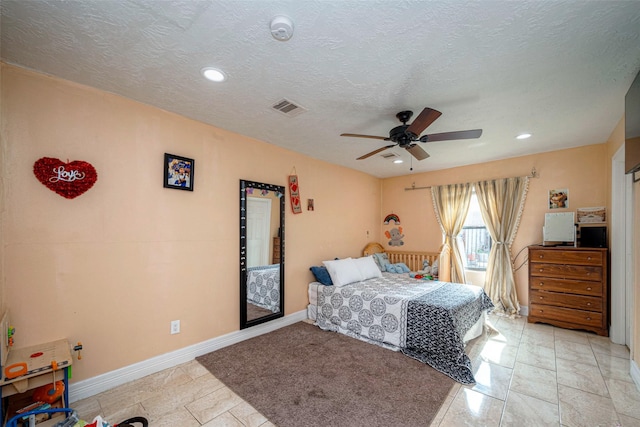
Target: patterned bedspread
{"x": 263, "y": 287}
{"x": 424, "y": 319}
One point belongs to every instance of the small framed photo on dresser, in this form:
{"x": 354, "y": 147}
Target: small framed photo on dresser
{"x": 178, "y": 172}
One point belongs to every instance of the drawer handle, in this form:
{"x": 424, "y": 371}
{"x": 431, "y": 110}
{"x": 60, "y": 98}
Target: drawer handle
{"x": 588, "y": 274}
{"x": 541, "y": 256}
{"x": 541, "y": 297}
{"x": 589, "y": 304}
{"x": 541, "y": 283}
{"x": 541, "y": 270}
{"x": 589, "y": 288}
{"x": 589, "y": 258}
{"x": 541, "y": 311}
{"x": 588, "y": 318}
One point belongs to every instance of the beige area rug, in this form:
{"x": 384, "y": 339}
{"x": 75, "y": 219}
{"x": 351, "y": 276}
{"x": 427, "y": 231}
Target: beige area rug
{"x": 302, "y": 376}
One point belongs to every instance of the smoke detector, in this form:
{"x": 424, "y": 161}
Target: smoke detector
{"x": 281, "y": 28}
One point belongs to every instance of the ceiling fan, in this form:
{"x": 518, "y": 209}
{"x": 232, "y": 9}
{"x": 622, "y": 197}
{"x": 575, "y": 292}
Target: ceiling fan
{"x": 407, "y": 136}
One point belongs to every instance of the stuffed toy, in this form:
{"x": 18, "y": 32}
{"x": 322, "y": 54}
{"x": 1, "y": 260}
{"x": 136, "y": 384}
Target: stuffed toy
{"x": 434, "y": 268}
{"x": 398, "y": 268}
{"x": 426, "y": 268}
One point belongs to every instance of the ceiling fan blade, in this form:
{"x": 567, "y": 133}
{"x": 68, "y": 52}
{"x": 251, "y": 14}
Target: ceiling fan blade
{"x": 375, "y": 152}
{"x": 424, "y": 119}
{"x": 417, "y": 152}
{"x": 448, "y": 136}
{"x": 384, "y": 138}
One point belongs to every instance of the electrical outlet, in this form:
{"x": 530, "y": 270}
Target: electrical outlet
{"x": 175, "y": 327}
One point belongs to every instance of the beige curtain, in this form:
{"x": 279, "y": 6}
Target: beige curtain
{"x": 501, "y": 203}
{"x": 451, "y": 203}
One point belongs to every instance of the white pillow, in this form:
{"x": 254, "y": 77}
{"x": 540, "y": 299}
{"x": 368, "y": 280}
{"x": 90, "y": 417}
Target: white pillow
{"x": 368, "y": 268}
{"x": 343, "y": 271}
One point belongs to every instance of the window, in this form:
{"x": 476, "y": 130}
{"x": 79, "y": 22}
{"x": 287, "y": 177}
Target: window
{"x": 475, "y": 238}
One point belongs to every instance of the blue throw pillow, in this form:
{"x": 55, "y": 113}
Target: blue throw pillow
{"x": 382, "y": 259}
{"x": 322, "y": 275}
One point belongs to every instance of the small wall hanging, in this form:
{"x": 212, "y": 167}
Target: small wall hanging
{"x": 294, "y": 191}
{"x": 392, "y": 217}
{"x": 395, "y": 234}
{"x": 178, "y": 172}
{"x": 70, "y": 179}
{"x": 558, "y": 198}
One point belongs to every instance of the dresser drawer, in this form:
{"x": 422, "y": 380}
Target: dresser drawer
{"x": 582, "y": 272}
{"x": 553, "y": 256}
{"x": 566, "y": 300}
{"x": 580, "y": 317}
{"x": 567, "y": 286}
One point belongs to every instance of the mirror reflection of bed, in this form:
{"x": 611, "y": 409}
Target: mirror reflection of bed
{"x": 261, "y": 260}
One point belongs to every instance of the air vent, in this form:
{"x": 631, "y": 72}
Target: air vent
{"x": 389, "y": 155}
{"x": 288, "y": 108}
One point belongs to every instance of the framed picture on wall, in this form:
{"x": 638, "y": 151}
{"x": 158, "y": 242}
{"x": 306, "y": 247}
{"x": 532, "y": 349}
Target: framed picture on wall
{"x": 178, "y": 172}
{"x": 558, "y": 198}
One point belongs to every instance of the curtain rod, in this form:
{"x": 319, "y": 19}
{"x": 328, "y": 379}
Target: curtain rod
{"x": 534, "y": 174}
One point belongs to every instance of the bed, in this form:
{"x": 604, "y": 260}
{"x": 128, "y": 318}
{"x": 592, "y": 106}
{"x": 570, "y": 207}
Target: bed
{"x": 429, "y": 320}
{"x": 263, "y": 287}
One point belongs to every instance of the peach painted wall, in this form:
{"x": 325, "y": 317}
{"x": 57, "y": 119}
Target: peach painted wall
{"x": 583, "y": 171}
{"x": 114, "y": 266}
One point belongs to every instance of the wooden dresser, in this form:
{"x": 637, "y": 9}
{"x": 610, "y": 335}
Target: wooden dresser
{"x": 568, "y": 287}
{"x": 276, "y": 251}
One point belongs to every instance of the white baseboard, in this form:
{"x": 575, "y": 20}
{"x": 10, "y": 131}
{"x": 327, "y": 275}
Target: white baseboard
{"x": 635, "y": 374}
{"x": 524, "y": 310}
{"x": 98, "y": 384}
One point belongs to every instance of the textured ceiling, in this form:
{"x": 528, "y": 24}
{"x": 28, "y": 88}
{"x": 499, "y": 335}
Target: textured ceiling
{"x": 557, "y": 69}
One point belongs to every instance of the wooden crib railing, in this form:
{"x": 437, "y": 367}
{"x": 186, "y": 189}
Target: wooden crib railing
{"x": 413, "y": 259}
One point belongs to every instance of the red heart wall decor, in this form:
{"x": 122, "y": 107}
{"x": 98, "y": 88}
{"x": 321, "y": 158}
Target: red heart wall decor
{"x": 295, "y": 194}
{"x": 69, "y": 179}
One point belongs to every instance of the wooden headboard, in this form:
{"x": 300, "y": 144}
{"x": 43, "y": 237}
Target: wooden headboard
{"x": 414, "y": 259}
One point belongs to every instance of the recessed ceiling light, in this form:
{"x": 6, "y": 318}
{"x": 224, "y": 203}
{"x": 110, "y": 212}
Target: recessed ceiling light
{"x": 397, "y": 161}
{"x": 213, "y": 74}
{"x": 523, "y": 136}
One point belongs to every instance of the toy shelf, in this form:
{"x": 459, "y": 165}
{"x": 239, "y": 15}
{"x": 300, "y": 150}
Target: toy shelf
{"x": 40, "y": 360}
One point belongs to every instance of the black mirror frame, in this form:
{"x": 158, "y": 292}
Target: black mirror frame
{"x": 244, "y": 184}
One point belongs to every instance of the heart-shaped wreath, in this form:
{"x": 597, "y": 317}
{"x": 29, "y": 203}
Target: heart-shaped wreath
{"x": 69, "y": 179}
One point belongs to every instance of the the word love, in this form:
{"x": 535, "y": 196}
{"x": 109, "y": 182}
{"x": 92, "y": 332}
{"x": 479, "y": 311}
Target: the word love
{"x": 69, "y": 179}
{"x": 62, "y": 175}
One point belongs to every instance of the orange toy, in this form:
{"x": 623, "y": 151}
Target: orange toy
{"x": 49, "y": 393}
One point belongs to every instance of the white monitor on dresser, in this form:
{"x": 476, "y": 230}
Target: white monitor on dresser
{"x": 559, "y": 229}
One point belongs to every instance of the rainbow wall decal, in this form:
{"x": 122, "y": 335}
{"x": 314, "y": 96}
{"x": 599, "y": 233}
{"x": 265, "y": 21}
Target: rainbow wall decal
{"x": 392, "y": 217}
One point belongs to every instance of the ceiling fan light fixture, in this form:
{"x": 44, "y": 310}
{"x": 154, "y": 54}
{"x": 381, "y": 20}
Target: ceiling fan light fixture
{"x": 397, "y": 161}
{"x": 213, "y": 74}
{"x": 523, "y": 136}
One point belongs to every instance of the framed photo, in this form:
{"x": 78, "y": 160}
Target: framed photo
{"x": 591, "y": 215}
{"x": 178, "y": 172}
{"x": 559, "y": 198}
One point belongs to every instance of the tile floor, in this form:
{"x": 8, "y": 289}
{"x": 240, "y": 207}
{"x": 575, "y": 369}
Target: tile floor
{"x": 527, "y": 375}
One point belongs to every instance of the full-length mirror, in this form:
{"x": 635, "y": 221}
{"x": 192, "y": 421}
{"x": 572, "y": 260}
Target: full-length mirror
{"x": 261, "y": 252}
